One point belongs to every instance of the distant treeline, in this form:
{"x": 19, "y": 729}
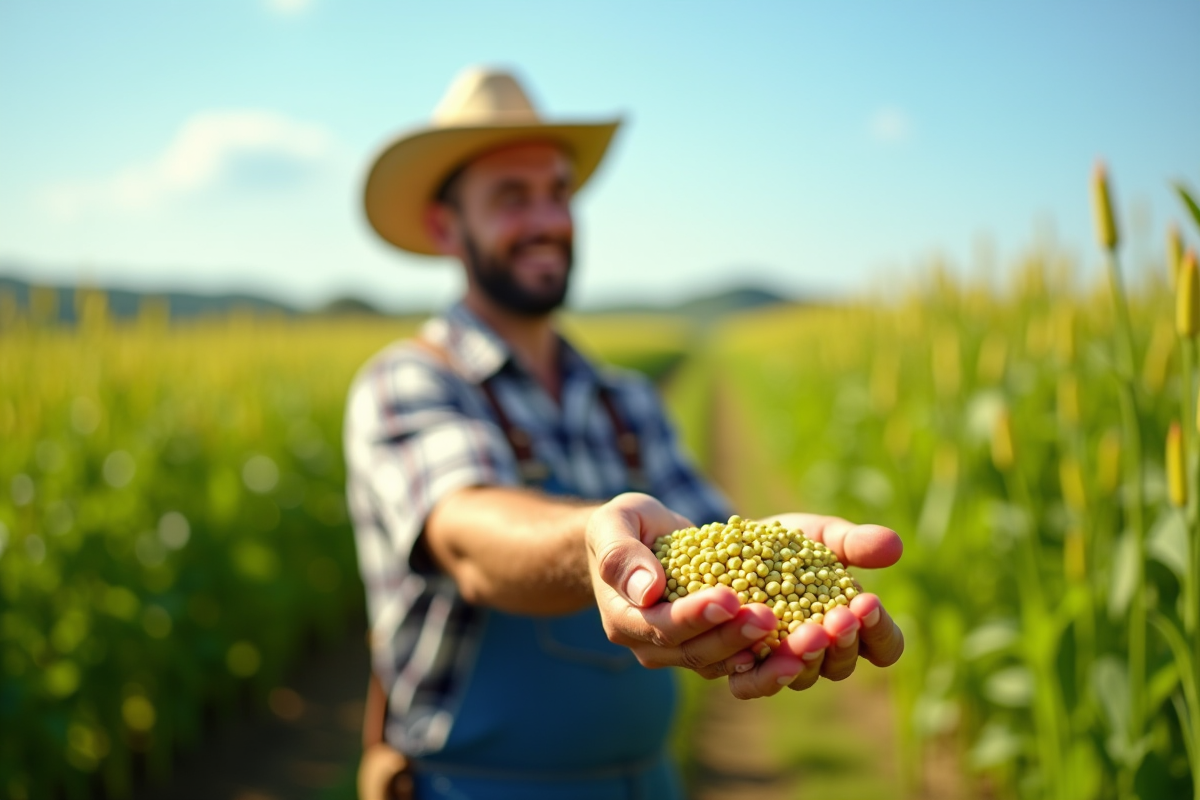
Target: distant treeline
{"x": 63, "y": 304}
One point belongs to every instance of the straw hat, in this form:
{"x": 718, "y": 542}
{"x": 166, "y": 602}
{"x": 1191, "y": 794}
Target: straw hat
{"x": 484, "y": 109}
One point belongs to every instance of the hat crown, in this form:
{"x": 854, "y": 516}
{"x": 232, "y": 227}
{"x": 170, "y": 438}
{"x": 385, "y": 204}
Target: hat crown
{"x": 481, "y": 96}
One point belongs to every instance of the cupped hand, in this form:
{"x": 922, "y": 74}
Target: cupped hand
{"x": 862, "y": 629}
{"x": 709, "y": 632}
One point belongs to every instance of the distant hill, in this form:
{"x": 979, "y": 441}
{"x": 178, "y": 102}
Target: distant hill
{"x": 350, "y": 307}
{"x": 728, "y": 301}
{"x": 731, "y": 301}
{"x": 125, "y": 303}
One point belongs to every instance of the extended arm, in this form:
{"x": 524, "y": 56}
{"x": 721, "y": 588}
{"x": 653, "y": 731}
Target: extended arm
{"x": 514, "y": 549}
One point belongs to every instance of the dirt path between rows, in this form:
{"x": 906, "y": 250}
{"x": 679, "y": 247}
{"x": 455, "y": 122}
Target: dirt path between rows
{"x": 738, "y": 751}
{"x": 734, "y": 758}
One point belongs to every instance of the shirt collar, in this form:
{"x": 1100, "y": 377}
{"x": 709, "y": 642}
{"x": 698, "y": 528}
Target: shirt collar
{"x": 477, "y": 352}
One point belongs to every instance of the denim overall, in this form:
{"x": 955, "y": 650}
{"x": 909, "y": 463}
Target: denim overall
{"x": 554, "y": 710}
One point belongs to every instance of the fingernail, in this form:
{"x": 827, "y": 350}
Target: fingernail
{"x": 744, "y": 667}
{"x": 847, "y": 638}
{"x": 872, "y": 619}
{"x": 716, "y": 614}
{"x": 637, "y": 586}
{"x": 812, "y": 655}
{"x": 786, "y": 679}
{"x": 752, "y": 631}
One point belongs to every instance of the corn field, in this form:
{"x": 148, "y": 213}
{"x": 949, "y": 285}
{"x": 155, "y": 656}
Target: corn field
{"x": 172, "y": 530}
{"x": 173, "y": 533}
{"x": 1037, "y": 448}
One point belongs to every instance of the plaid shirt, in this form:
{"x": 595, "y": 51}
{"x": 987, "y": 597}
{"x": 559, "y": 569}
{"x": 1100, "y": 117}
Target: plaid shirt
{"x": 416, "y": 430}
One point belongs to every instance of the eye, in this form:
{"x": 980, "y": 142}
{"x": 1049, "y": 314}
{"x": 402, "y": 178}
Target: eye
{"x": 511, "y": 197}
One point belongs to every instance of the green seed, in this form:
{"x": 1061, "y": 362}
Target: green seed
{"x": 763, "y": 563}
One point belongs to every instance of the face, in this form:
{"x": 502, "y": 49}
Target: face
{"x": 509, "y": 221}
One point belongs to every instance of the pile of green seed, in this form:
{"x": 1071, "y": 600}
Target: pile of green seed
{"x": 797, "y": 578}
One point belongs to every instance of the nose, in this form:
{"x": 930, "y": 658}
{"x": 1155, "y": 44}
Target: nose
{"x": 551, "y": 217}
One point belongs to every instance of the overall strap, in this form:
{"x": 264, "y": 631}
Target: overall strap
{"x": 627, "y": 443}
{"x": 529, "y": 468}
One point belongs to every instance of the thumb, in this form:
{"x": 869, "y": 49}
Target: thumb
{"x": 628, "y": 566}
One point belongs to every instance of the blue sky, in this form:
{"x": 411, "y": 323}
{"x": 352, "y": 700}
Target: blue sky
{"x": 815, "y": 148}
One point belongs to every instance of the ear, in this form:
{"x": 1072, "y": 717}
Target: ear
{"x": 443, "y": 227}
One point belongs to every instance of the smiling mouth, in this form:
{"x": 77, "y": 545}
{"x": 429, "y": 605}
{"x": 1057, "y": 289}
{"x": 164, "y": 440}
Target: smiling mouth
{"x": 543, "y": 249}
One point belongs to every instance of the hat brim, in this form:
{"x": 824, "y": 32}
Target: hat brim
{"x": 408, "y": 172}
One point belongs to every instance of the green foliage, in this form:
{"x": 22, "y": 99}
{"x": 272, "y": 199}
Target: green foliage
{"x": 172, "y": 526}
{"x": 1019, "y": 579}
{"x": 172, "y": 532}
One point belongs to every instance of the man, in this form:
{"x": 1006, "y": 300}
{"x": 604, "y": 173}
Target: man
{"x": 514, "y": 602}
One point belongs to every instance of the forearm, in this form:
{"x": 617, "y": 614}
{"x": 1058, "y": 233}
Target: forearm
{"x": 514, "y": 549}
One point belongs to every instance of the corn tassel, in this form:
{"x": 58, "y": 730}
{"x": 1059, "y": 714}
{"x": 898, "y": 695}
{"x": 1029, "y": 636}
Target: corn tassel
{"x": 1106, "y": 224}
{"x": 1176, "y": 472}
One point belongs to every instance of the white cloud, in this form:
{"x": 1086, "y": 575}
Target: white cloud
{"x": 890, "y": 125}
{"x": 288, "y": 7}
{"x": 211, "y": 148}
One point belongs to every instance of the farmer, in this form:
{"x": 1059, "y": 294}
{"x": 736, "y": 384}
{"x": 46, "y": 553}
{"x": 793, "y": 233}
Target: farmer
{"x": 504, "y": 488}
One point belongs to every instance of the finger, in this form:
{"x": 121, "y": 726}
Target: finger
{"x": 742, "y": 631}
{"x": 649, "y": 516}
{"x": 663, "y": 624}
{"x": 779, "y": 669}
{"x": 750, "y": 626}
{"x": 880, "y": 639}
{"x": 622, "y": 561}
{"x": 808, "y": 638}
{"x": 674, "y": 623}
{"x": 811, "y": 673}
{"x": 869, "y": 546}
{"x": 808, "y": 642}
{"x": 842, "y": 655}
{"x": 739, "y": 662}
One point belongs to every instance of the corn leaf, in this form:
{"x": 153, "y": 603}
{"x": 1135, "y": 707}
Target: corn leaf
{"x": 1124, "y": 576}
{"x": 1167, "y": 542}
{"x": 1183, "y": 658}
{"x": 1162, "y": 685}
{"x": 1186, "y": 197}
{"x": 1181, "y": 710}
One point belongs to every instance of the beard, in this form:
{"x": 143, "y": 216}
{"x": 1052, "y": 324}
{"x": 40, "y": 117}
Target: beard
{"x": 496, "y": 276}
